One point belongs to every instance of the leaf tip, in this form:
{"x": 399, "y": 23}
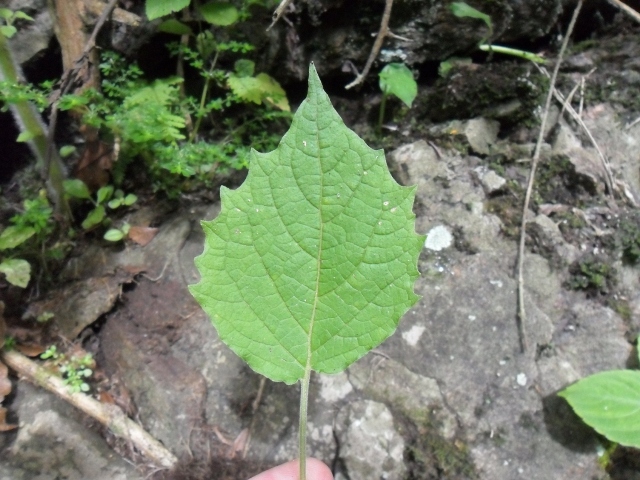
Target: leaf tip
{"x": 314, "y": 78}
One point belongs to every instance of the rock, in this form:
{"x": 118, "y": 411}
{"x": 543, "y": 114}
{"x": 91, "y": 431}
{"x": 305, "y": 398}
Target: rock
{"x": 78, "y": 304}
{"x": 370, "y": 445}
{"x": 481, "y": 134}
{"x": 34, "y": 37}
{"x": 550, "y": 242}
{"x": 416, "y": 396}
{"x": 491, "y": 182}
{"x": 433, "y": 32}
{"x": 53, "y": 442}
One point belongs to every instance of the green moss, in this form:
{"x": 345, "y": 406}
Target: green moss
{"x": 431, "y": 453}
{"x": 594, "y": 275}
{"x": 628, "y": 237}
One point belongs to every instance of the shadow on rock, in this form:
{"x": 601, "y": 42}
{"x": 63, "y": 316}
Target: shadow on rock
{"x": 567, "y": 428}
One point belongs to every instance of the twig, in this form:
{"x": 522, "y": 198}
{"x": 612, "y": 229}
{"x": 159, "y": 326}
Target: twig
{"x": 635, "y": 122}
{"x": 608, "y": 177}
{"x": 626, "y": 9}
{"x": 279, "y": 12}
{"x": 521, "y": 315}
{"x": 377, "y": 45}
{"x": 108, "y": 415}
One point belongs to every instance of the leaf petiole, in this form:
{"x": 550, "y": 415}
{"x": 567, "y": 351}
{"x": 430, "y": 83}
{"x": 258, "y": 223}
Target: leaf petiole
{"x": 512, "y": 51}
{"x": 302, "y": 422}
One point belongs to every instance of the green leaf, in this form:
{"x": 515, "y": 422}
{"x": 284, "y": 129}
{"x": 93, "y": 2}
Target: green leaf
{"x": 17, "y": 271}
{"x": 23, "y": 16}
{"x": 222, "y": 14}
{"x": 159, "y": 8}
{"x": 114, "y": 235}
{"x": 312, "y": 261}
{"x": 94, "y": 218}
{"x": 175, "y": 27}
{"x": 610, "y": 403}
{"x": 130, "y": 199}
{"x": 76, "y": 188}
{"x": 15, "y": 235}
{"x": 244, "y": 67}
{"x": 104, "y": 194}
{"x": 462, "y": 10}
{"x": 258, "y": 89}
{"x": 8, "y": 30}
{"x": 6, "y": 13}
{"x": 67, "y": 150}
{"x": 25, "y": 137}
{"x": 397, "y": 79}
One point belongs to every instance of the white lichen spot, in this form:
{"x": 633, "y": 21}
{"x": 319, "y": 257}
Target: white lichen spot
{"x": 412, "y": 336}
{"x": 237, "y": 209}
{"x": 379, "y": 223}
{"x": 471, "y": 318}
{"x": 248, "y": 199}
{"x": 393, "y": 210}
{"x": 365, "y": 172}
{"x": 334, "y": 387}
{"x": 385, "y": 203}
{"x": 237, "y": 231}
{"x": 438, "y": 238}
{"x": 521, "y": 379}
{"x": 496, "y": 283}
{"x": 257, "y": 209}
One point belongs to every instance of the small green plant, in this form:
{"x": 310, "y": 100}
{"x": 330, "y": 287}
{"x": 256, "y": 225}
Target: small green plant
{"x": 609, "y": 402}
{"x": 32, "y": 129}
{"x": 25, "y": 237}
{"x": 396, "y": 79}
{"x": 74, "y": 369}
{"x": 106, "y": 196}
{"x": 8, "y": 17}
{"x": 311, "y": 262}
{"x": 593, "y": 275}
{"x": 463, "y": 10}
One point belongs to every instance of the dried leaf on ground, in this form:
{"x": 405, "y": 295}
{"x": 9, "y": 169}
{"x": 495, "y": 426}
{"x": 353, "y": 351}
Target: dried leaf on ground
{"x": 142, "y": 235}
{"x": 5, "y": 389}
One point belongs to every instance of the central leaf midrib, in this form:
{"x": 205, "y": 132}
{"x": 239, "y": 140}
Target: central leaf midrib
{"x": 314, "y": 310}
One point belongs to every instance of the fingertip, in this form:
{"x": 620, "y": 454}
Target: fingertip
{"x": 316, "y": 470}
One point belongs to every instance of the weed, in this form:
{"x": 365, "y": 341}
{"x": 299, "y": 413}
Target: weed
{"x": 105, "y": 197}
{"x": 26, "y": 236}
{"x": 75, "y": 369}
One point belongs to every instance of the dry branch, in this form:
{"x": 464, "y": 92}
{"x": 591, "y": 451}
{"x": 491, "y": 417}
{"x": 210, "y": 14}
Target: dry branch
{"x": 626, "y": 9}
{"x": 111, "y": 416}
{"x": 377, "y": 45}
{"x": 521, "y": 315}
{"x": 279, "y": 12}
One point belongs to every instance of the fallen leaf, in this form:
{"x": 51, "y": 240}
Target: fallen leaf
{"x": 4, "y": 426}
{"x": 142, "y": 235}
{"x": 5, "y": 383}
{"x": 95, "y": 164}
{"x": 30, "y": 349}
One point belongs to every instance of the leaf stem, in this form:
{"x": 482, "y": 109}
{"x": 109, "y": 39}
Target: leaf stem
{"x": 302, "y": 423}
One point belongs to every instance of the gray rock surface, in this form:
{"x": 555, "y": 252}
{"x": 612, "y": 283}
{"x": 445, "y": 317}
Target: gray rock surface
{"x": 53, "y": 443}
